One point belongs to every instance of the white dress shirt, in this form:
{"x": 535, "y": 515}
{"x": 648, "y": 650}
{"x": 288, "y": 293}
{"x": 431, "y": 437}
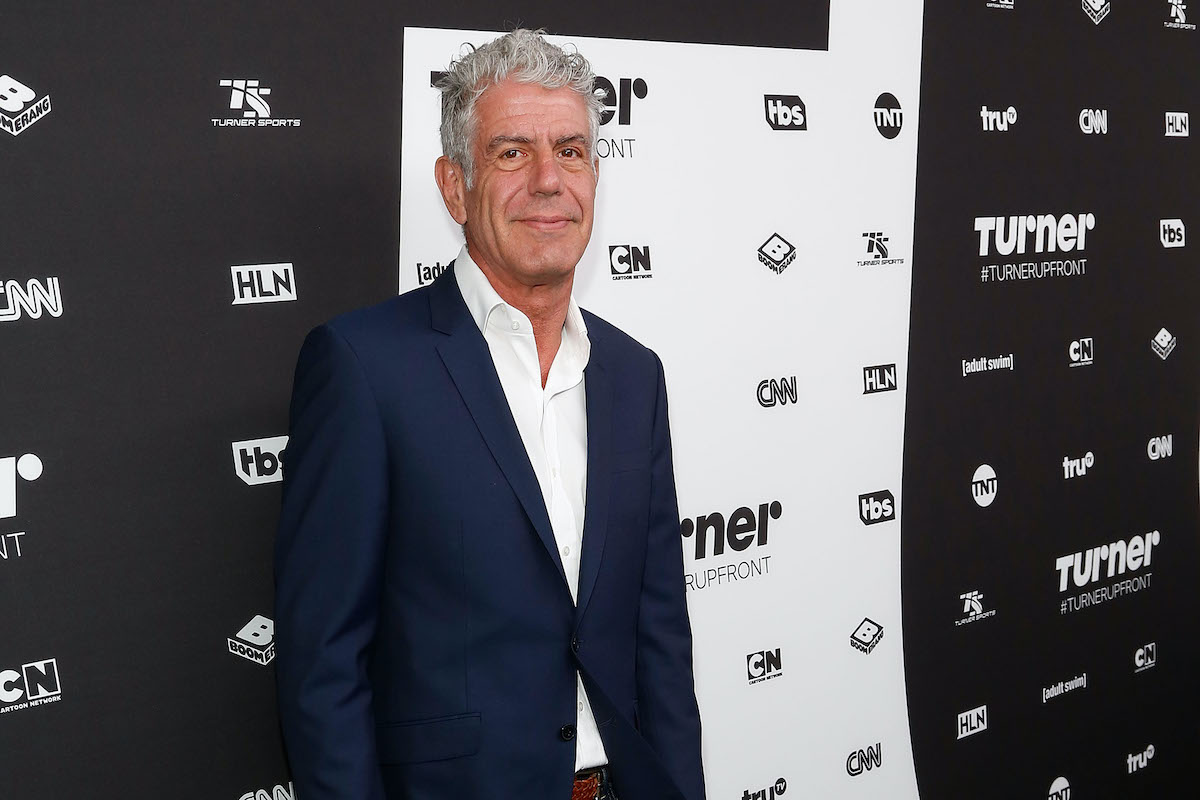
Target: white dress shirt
{"x": 552, "y": 422}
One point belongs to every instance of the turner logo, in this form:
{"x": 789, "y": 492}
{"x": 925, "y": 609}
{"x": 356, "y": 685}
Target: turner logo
{"x": 860, "y": 761}
{"x": 763, "y": 666}
{"x": 876, "y": 507}
{"x": 20, "y": 106}
{"x": 972, "y": 722}
{"x": 1163, "y": 343}
{"x": 1171, "y": 233}
{"x": 889, "y": 119}
{"x": 1059, "y": 790}
{"x": 984, "y": 485}
{"x": 879, "y": 378}
{"x": 259, "y": 461}
{"x": 1160, "y": 447}
{"x": 1145, "y": 657}
{"x": 33, "y": 298}
{"x": 427, "y": 273}
{"x": 1081, "y": 352}
{"x": 1136, "y": 761}
{"x": 278, "y": 793}
{"x": 1093, "y": 120}
{"x": 255, "y": 641}
{"x": 249, "y": 96}
{"x": 785, "y": 112}
{"x": 973, "y": 608}
{"x": 618, "y": 100}
{"x": 997, "y": 120}
{"x": 770, "y": 793}
{"x": 1097, "y": 10}
{"x": 1177, "y": 123}
{"x": 263, "y": 283}
{"x": 745, "y": 529}
{"x": 1177, "y": 16}
{"x": 777, "y": 252}
{"x": 1051, "y": 234}
{"x": 626, "y": 261}
{"x": 1081, "y": 570}
{"x": 27, "y": 467}
{"x": 33, "y": 684}
{"x": 868, "y": 634}
{"x": 772, "y": 392}
{"x": 1075, "y": 467}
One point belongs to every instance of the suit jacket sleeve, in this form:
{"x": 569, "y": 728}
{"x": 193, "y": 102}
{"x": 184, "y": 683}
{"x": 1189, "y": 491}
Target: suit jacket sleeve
{"x": 328, "y": 561}
{"x": 668, "y": 716}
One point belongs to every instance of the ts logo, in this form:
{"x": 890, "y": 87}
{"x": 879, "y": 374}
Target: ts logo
{"x": 627, "y": 261}
{"x": 244, "y": 93}
{"x": 259, "y": 460}
{"x": 28, "y": 467}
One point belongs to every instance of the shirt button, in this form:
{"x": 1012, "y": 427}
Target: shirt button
{"x": 516, "y": 326}
{"x": 566, "y": 733}
{"x": 566, "y": 551}
{"x": 574, "y": 645}
{"x": 581, "y": 705}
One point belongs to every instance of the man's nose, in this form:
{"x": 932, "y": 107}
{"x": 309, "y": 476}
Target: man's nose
{"x": 546, "y": 176}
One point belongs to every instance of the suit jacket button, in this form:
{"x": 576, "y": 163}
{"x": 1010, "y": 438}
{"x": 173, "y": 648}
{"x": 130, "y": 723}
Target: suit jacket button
{"x": 566, "y": 733}
{"x": 574, "y": 645}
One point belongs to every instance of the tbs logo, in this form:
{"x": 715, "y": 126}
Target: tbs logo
{"x": 1145, "y": 657}
{"x": 259, "y": 460}
{"x": 743, "y": 529}
{"x": 263, "y": 283}
{"x": 876, "y": 507}
{"x": 619, "y": 102}
{"x": 255, "y": 641}
{"x": 879, "y": 378}
{"x": 625, "y": 261}
{"x": 32, "y": 685}
{"x": 785, "y": 112}
{"x": 28, "y": 467}
{"x": 764, "y": 665}
{"x": 860, "y": 760}
{"x": 1171, "y": 232}
{"x": 1081, "y": 352}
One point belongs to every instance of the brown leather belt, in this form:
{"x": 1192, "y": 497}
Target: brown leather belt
{"x": 587, "y": 784}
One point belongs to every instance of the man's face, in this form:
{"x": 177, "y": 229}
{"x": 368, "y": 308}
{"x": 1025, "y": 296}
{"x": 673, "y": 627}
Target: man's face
{"x": 529, "y": 214}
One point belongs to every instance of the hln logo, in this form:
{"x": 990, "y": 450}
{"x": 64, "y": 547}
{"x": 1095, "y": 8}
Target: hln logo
{"x": 740, "y": 534}
{"x": 34, "y": 298}
{"x": 263, "y": 283}
{"x": 28, "y": 467}
{"x": 876, "y": 507}
{"x": 1177, "y": 123}
{"x": 626, "y": 261}
{"x": 259, "y": 460}
{"x": 785, "y": 112}
{"x": 879, "y": 378}
{"x": 35, "y": 683}
{"x": 255, "y": 641}
{"x": 774, "y": 392}
{"x": 278, "y": 793}
{"x": 865, "y": 760}
{"x": 764, "y": 665}
{"x": 972, "y": 722}
{"x": 1160, "y": 447}
{"x": 1171, "y": 233}
{"x": 1081, "y": 352}
{"x": 1145, "y": 657}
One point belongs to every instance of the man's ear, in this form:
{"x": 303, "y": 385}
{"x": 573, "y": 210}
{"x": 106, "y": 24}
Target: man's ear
{"x": 453, "y": 187}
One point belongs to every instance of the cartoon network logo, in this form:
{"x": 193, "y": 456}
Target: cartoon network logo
{"x": 33, "y": 684}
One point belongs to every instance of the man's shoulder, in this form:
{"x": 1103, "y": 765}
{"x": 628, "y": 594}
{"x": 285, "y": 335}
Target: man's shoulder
{"x": 618, "y": 349}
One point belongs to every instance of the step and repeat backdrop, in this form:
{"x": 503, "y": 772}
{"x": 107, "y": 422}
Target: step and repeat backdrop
{"x": 919, "y": 274}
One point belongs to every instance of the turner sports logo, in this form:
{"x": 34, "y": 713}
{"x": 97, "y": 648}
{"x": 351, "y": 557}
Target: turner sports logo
{"x": 1087, "y": 567}
{"x": 263, "y": 283}
{"x": 34, "y": 298}
{"x": 258, "y": 461}
{"x": 33, "y": 684}
{"x": 860, "y": 761}
{"x": 785, "y": 112}
{"x": 627, "y": 261}
{"x": 1029, "y": 233}
{"x": 255, "y": 641}
{"x": 763, "y": 666}
{"x": 972, "y": 722}
{"x": 973, "y": 608}
{"x": 1177, "y": 16}
{"x": 20, "y": 106}
{"x": 711, "y": 533}
{"x": 877, "y": 250}
{"x": 249, "y": 97}
{"x": 277, "y": 793}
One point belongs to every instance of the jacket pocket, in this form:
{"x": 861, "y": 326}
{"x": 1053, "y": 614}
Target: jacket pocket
{"x": 434, "y": 739}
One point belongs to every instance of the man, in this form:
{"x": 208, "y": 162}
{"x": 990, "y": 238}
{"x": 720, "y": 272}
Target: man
{"x": 479, "y": 573}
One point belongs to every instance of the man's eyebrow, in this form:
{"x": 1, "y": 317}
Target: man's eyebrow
{"x": 573, "y": 137}
{"x": 497, "y": 141}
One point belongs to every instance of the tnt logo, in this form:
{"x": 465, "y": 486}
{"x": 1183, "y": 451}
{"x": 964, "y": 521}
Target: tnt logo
{"x": 774, "y": 392}
{"x": 888, "y": 116}
{"x": 1075, "y": 467}
{"x": 19, "y": 105}
{"x": 28, "y": 467}
{"x": 1163, "y": 343}
{"x": 876, "y": 507}
{"x": 626, "y": 262}
{"x": 34, "y": 684}
{"x": 1136, "y": 761}
{"x": 619, "y": 102}
{"x": 879, "y": 378}
{"x": 1093, "y": 120}
{"x": 1160, "y": 447}
{"x": 876, "y": 244}
{"x": 864, "y": 760}
{"x": 255, "y": 641}
{"x": 770, "y": 793}
{"x": 33, "y": 298}
{"x": 997, "y": 120}
{"x": 259, "y": 460}
{"x": 263, "y": 283}
{"x": 1145, "y": 657}
{"x": 1177, "y": 123}
{"x": 763, "y": 666}
{"x": 785, "y": 112}
{"x": 984, "y": 485}
{"x": 1081, "y": 352}
{"x": 777, "y": 252}
{"x": 972, "y": 722}
{"x": 1059, "y": 790}
{"x": 278, "y": 793}
{"x": 1171, "y": 233}
{"x": 428, "y": 273}
{"x": 244, "y": 93}
{"x": 866, "y": 635}
{"x": 743, "y": 530}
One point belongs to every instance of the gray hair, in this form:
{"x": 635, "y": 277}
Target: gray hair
{"x": 525, "y": 57}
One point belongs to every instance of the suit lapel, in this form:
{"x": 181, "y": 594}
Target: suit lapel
{"x": 598, "y": 391}
{"x": 467, "y": 359}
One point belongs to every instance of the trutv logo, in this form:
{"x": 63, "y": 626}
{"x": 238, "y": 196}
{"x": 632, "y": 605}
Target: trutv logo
{"x": 259, "y": 461}
{"x": 33, "y": 684}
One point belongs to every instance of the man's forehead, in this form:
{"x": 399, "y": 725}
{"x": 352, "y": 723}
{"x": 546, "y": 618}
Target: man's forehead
{"x": 513, "y": 104}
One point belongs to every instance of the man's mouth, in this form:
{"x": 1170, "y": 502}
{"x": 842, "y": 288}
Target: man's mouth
{"x": 547, "y": 222}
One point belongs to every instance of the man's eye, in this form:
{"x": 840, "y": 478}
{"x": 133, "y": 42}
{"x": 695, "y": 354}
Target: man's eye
{"x": 510, "y": 153}
{"x": 570, "y": 152}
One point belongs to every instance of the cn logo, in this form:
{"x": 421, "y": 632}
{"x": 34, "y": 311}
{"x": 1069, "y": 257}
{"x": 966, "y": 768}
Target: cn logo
{"x": 864, "y": 760}
{"x": 259, "y": 461}
{"x": 1160, "y": 447}
{"x": 626, "y": 261}
{"x": 764, "y": 665}
{"x": 1059, "y": 790}
{"x": 984, "y": 485}
{"x": 1171, "y": 233}
{"x": 1145, "y": 657}
{"x": 1093, "y": 120}
{"x": 263, "y": 283}
{"x": 255, "y": 641}
{"x": 744, "y": 528}
{"x": 785, "y": 112}
{"x": 774, "y": 392}
{"x": 244, "y": 93}
{"x": 888, "y": 116}
{"x": 34, "y": 682}
{"x": 28, "y": 467}
{"x": 619, "y": 103}
{"x": 876, "y": 507}
{"x": 19, "y": 106}
{"x": 1081, "y": 352}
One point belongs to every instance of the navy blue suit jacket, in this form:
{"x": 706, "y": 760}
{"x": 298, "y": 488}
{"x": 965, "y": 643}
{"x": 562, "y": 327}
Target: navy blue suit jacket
{"x": 426, "y": 640}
